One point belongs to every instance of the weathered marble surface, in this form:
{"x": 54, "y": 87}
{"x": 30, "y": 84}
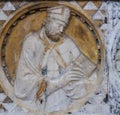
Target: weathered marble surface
{"x": 112, "y": 56}
{"x": 91, "y": 107}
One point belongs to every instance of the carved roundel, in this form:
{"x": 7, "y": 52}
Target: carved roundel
{"x": 80, "y": 28}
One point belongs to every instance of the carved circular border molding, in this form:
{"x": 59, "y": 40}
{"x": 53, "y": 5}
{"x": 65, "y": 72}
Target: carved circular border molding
{"x": 30, "y": 9}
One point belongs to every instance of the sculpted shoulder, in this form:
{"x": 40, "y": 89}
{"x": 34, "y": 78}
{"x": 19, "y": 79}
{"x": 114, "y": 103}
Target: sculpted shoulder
{"x": 32, "y": 39}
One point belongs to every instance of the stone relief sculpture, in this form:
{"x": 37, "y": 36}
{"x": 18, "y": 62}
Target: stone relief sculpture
{"x": 52, "y": 71}
{"x": 56, "y": 61}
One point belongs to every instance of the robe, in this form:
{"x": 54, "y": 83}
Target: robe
{"x": 35, "y": 62}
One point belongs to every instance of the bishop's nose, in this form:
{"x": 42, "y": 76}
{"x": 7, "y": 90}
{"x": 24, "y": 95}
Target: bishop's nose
{"x": 61, "y": 28}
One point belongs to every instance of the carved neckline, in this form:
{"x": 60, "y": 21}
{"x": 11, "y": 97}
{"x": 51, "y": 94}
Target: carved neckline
{"x": 47, "y": 42}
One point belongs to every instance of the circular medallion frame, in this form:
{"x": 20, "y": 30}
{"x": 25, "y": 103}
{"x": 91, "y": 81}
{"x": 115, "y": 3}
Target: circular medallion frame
{"x": 5, "y": 79}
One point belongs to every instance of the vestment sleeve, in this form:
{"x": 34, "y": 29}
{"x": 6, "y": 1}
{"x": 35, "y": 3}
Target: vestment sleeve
{"x": 27, "y": 74}
{"x": 77, "y": 89}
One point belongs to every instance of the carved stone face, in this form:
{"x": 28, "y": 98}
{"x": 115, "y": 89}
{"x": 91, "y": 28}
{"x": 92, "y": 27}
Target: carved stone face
{"x": 54, "y": 29}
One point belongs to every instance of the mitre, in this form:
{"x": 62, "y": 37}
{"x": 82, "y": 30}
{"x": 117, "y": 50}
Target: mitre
{"x": 61, "y": 13}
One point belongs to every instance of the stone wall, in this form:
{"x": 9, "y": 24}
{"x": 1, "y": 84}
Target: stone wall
{"x": 106, "y": 17}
